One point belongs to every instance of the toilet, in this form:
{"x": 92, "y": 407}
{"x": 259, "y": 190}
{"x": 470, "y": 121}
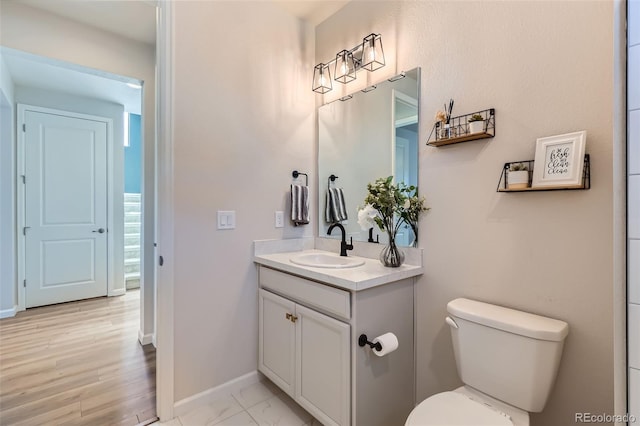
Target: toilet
{"x": 507, "y": 360}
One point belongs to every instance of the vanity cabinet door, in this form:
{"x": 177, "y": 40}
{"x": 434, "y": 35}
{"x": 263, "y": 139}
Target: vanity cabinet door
{"x": 323, "y": 370}
{"x": 276, "y": 340}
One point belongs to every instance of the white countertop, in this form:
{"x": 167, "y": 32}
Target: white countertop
{"x": 371, "y": 274}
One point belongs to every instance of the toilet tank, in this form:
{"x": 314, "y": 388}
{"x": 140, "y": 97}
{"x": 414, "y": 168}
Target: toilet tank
{"x": 510, "y": 355}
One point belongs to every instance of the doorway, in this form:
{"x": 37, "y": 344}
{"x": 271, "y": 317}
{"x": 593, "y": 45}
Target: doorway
{"x": 109, "y": 116}
{"x": 117, "y": 40}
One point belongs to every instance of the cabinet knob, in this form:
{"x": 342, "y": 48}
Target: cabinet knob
{"x": 291, "y": 317}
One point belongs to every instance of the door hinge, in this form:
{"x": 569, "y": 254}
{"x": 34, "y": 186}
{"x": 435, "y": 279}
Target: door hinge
{"x": 24, "y": 230}
{"x": 24, "y": 127}
{"x": 24, "y": 283}
{"x": 24, "y": 179}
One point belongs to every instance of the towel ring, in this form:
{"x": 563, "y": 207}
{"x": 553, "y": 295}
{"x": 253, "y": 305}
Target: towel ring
{"x": 330, "y": 179}
{"x": 296, "y": 173}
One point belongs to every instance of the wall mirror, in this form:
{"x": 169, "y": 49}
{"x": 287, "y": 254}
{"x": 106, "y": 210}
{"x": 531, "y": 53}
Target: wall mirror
{"x": 372, "y": 135}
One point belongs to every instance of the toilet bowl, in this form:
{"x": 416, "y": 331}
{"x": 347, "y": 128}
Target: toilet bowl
{"x": 508, "y": 361}
{"x": 464, "y": 407}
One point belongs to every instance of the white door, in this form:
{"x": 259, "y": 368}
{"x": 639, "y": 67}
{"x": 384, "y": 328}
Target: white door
{"x": 323, "y": 367}
{"x": 276, "y": 345}
{"x": 65, "y": 208}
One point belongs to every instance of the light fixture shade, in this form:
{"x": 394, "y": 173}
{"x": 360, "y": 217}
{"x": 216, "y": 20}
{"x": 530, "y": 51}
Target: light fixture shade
{"x": 321, "y": 78}
{"x": 372, "y": 53}
{"x": 345, "y": 70}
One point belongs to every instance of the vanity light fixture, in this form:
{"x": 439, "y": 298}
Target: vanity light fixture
{"x": 368, "y": 55}
{"x": 372, "y": 54}
{"x": 322, "y": 78}
{"x": 345, "y": 70}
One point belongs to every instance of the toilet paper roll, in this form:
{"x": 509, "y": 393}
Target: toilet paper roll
{"x": 389, "y": 343}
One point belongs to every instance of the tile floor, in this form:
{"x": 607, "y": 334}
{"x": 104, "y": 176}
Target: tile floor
{"x": 258, "y": 404}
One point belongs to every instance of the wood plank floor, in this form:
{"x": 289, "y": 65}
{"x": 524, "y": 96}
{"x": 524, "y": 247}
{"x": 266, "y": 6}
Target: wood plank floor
{"x": 77, "y": 363}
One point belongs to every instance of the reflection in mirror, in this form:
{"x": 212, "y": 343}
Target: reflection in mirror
{"x": 372, "y": 135}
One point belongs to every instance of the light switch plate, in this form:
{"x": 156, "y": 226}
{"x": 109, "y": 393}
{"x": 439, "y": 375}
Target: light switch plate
{"x": 279, "y": 223}
{"x": 226, "y": 219}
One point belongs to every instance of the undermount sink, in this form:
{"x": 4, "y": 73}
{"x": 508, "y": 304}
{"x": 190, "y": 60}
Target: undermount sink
{"x": 326, "y": 260}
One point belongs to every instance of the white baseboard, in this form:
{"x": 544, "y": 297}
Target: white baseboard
{"x": 145, "y": 339}
{"x": 188, "y": 404}
{"x": 117, "y": 292}
{"x": 8, "y": 313}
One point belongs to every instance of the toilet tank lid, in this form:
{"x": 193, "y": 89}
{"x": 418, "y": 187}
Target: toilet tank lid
{"x": 510, "y": 320}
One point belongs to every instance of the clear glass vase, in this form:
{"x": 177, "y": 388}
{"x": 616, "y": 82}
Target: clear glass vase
{"x": 391, "y": 256}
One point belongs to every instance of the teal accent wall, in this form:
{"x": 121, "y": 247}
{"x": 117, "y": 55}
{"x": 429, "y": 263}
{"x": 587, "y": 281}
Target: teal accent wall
{"x": 133, "y": 156}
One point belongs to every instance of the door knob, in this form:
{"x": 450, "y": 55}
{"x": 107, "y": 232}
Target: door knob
{"x": 101, "y": 231}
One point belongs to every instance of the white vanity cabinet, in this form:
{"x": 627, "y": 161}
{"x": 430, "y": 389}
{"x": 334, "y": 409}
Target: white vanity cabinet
{"x": 306, "y": 353}
{"x": 308, "y": 333}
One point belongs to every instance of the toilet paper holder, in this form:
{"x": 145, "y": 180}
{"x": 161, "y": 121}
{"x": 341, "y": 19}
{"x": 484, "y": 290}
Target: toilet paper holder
{"x": 363, "y": 340}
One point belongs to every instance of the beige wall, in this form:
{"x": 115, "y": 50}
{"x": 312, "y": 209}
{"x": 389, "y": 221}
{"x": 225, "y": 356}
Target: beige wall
{"x": 546, "y": 67}
{"x": 35, "y": 31}
{"x": 244, "y": 120}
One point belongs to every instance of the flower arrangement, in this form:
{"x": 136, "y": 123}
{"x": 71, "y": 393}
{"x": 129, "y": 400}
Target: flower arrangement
{"x": 390, "y": 206}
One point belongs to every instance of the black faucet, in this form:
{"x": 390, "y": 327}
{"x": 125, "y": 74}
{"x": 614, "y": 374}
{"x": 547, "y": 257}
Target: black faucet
{"x": 343, "y": 244}
{"x": 370, "y": 240}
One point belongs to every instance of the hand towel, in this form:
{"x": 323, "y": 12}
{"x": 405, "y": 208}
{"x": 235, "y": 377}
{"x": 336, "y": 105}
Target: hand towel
{"x": 335, "y": 210}
{"x": 299, "y": 204}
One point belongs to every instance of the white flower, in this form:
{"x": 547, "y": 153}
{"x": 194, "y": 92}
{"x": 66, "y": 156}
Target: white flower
{"x": 365, "y": 217}
{"x": 407, "y": 204}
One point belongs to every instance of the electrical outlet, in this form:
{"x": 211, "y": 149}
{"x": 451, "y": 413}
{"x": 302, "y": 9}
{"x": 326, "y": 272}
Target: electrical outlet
{"x": 279, "y": 219}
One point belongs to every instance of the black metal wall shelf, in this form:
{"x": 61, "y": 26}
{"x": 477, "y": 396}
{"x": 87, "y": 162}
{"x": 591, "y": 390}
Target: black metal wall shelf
{"x": 503, "y": 184}
{"x": 458, "y": 130}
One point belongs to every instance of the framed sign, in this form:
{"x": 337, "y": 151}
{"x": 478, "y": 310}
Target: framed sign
{"x": 559, "y": 160}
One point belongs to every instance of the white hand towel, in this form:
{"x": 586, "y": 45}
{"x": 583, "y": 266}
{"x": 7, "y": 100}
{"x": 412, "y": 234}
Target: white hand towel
{"x": 299, "y": 204}
{"x": 336, "y": 210}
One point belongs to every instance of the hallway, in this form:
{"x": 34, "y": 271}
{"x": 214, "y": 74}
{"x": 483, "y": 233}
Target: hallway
{"x": 77, "y": 363}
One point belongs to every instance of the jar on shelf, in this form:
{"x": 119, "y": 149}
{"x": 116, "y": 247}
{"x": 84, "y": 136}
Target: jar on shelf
{"x": 446, "y": 131}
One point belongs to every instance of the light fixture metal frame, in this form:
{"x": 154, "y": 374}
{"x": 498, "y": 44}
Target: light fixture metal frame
{"x": 348, "y": 64}
{"x": 372, "y": 44}
{"x": 356, "y": 53}
{"x": 320, "y": 81}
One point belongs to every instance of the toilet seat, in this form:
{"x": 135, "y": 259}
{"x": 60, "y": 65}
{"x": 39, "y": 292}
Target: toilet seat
{"x": 454, "y": 408}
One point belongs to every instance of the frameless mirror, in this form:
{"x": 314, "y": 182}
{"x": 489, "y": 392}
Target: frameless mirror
{"x": 372, "y": 135}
